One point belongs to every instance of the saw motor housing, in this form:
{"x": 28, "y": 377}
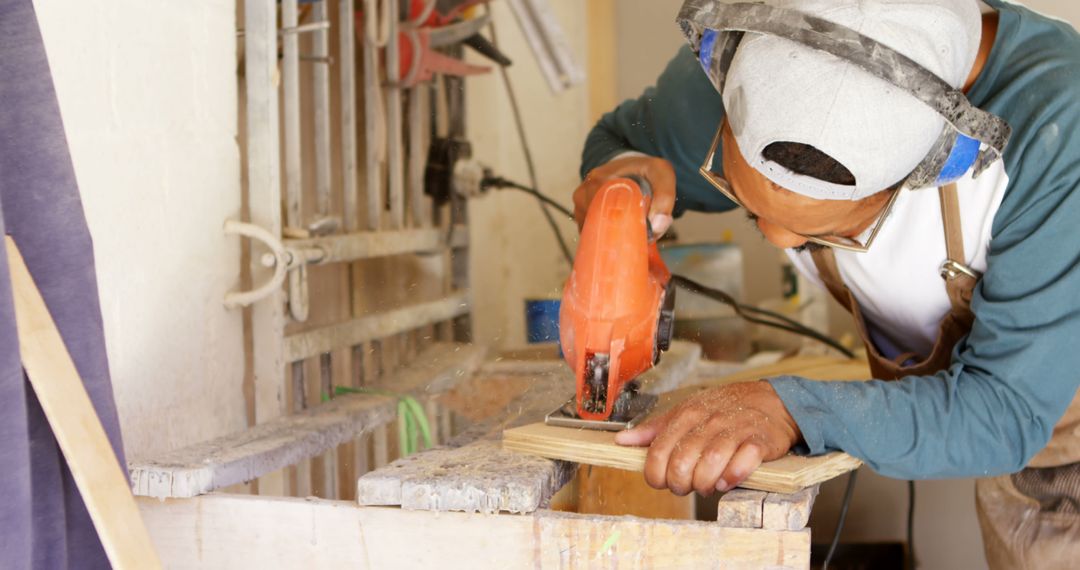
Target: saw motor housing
{"x": 616, "y": 315}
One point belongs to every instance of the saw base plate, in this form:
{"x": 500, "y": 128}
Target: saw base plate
{"x": 566, "y": 416}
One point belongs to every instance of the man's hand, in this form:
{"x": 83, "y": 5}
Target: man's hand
{"x": 715, "y": 439}
{"x": 659, "y": 173}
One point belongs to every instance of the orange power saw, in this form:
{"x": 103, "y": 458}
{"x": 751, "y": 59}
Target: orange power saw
{"x": 617, "y": 312}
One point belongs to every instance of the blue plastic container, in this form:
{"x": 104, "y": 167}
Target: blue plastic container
{"x": 542, "y": 320}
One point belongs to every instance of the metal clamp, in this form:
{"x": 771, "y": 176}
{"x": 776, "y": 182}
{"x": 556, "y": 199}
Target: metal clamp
{"x": 286, "y": 262}
{"x": 951, "y": 270}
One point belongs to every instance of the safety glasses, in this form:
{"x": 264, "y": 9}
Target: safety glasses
{"x": 838, "y": 242}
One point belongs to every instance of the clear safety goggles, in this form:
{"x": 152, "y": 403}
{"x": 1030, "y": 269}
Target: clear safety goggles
{"x": 834, "y": 241}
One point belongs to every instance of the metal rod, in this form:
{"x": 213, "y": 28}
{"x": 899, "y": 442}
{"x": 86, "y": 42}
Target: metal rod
{"x": 347, "y": 82}
{"x": 290, "y": 76}
{"x": 293, "y": 30}
{"x": 321, "y": 47}
{"x": 367, "y": 245}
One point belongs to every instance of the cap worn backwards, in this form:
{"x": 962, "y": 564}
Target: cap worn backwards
{"x": 778, "y": 90}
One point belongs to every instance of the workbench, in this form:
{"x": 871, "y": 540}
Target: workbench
{"x": 465, "y": 504}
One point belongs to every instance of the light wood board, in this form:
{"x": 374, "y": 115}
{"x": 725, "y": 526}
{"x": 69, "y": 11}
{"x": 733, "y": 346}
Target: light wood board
{"x": 76, "y": 426}
{"x": 592, "y": 447}
{"x": 786, "y": 475}
{"x": 228, "y": 531}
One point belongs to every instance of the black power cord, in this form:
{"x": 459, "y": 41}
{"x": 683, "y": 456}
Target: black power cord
{"x": 911, "y": 526}
{"x": 848, "y": 492}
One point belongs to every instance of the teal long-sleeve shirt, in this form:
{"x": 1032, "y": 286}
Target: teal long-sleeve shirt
{"x": 1015, "y": 373}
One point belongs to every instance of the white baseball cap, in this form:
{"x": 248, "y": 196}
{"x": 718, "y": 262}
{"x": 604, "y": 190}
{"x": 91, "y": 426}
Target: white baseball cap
{"x": 778, "y": 90}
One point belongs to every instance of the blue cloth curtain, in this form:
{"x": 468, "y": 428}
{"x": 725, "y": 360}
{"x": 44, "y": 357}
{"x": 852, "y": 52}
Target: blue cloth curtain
{"x": 43, "y": 522}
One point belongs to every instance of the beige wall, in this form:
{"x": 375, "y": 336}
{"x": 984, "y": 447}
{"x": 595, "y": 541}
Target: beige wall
{"x": 947, "y": 534}
{"x": 514, "y": 253}
{"x": 147, "y": 90}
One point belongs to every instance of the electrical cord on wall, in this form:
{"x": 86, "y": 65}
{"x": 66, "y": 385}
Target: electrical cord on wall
{"x": 525, "y": 149}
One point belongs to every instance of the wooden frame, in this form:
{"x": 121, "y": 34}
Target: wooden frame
{"x": 228, "y": 531}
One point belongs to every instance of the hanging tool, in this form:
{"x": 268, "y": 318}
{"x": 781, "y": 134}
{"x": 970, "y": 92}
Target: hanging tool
{"x": 435, "y": 13}
{"x": 617, "y": 312}
{"x": 419, "y": 60}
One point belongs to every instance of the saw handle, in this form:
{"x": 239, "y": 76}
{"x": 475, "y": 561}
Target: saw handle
{"x": 646, "y": 189}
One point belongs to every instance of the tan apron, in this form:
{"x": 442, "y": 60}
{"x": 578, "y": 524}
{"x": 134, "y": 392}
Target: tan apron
{"x": 1030, "y": 519}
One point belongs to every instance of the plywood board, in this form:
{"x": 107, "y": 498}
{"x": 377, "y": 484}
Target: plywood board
{"x": 785, "y": 475}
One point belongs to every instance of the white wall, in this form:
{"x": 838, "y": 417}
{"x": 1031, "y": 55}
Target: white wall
{"x": 147, "y": 90}
{"x": 947, "y": 533}
{"x": 514, "y": 253}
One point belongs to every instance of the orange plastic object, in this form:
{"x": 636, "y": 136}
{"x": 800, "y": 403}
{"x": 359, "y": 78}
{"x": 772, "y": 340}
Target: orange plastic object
{"x": 611, "y": 302}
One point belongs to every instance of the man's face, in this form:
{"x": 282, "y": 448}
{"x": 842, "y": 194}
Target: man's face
{"x": 784, "y": 217}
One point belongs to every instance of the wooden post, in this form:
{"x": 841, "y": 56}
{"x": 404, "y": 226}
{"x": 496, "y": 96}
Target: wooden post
{"x": 264, "y": 200}
{"x": 56, "y": 382}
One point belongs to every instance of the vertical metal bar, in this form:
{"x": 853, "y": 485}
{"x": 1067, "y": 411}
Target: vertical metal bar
{"x": 394, "y": 126}
{"x": 290, "y": 88}
{"x": 417, "y": 156}
{"x": 264, "y": 201}
{"x": 321, "y": 77}
{"x": 372, "y": 116}
{"x": 347, "y": 80}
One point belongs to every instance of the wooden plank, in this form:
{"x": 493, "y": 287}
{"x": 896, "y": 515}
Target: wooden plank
{"x": 394, "y": 122}
{"x": 367, "y": 245}
{"x": 347, "y": 84}
{"x": 240, "y": 457}
{"x": 606, "y": 491}
{"x": 267, "y": 318}
{"x": 374, "y": 136}
{"x": 496, "y": 480}
{"x": 785, "y": 475}
{"x": 741, "y": 508}
{"x": 788, "y": 512}
{"x": 290, "y": 88}
{"x": 75, "y": 424}
{"x": 224, "y": 531}
{"x": 478, "y": 477}
{"x": 312, "y": 343}
{"x": 321, "y": 93}
{"x": 418, "y": 144}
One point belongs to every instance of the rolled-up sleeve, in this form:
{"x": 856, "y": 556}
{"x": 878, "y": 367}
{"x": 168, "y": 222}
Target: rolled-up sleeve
{"x": 1011, "y": 378}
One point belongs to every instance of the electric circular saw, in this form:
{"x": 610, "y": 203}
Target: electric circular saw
{"x": 617, "y": 311}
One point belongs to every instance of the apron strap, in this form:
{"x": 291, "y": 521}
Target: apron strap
{"x": 959, "y": 279}
{"x": 825, "y": 261}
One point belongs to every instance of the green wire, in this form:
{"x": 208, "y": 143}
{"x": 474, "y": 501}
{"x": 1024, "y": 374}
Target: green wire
{"x": 411, "y": 417}
{"x": 405, "y": 439}
{"x": 420, "y": 418}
